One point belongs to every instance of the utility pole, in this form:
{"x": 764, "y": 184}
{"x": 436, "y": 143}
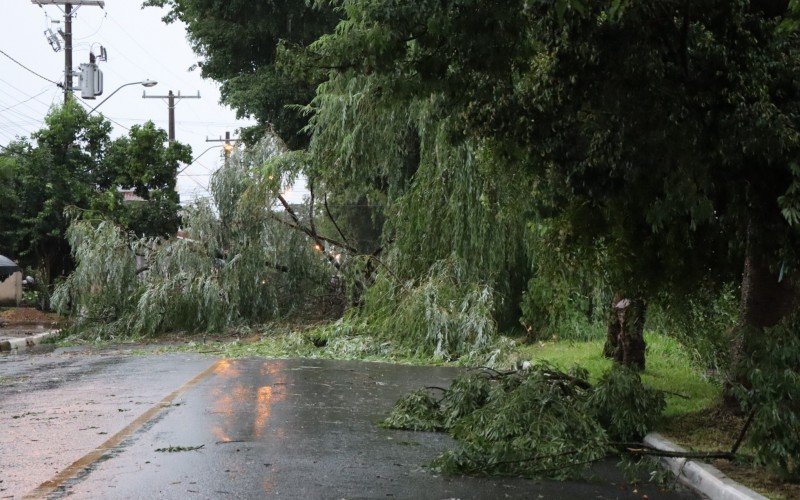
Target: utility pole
{"x": 170, "y": 97}
{"x": 68, "y": 34}
{"x": 227, "y": 146}
{"x": 67, "y": 51}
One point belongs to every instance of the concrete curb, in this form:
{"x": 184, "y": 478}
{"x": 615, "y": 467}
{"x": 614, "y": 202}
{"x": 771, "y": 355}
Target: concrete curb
{"x": 22, "y": 343}
{"x": 701, "y": 477}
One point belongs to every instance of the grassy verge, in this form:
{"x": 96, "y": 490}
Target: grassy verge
{"x": 668, "y": 369}
{"x": 694, "y": 420}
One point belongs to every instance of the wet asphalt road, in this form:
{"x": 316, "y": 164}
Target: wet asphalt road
{"x": 115, "y": 425}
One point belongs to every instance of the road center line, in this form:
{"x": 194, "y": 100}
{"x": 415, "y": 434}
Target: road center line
{"x": 49, "y": 486}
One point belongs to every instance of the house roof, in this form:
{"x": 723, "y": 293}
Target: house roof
{"x": 7, "y": 268}
{"x": 8, "y": 264}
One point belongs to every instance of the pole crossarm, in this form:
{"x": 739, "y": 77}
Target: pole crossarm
{"x": 68, "y": 13}
{"x": 171, "y": 97}
{"x": 95, "y": 3}
{"x": 228, "y": 140}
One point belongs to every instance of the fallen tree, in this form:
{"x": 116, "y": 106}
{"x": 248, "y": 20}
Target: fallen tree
{"x": 538, "y": 421}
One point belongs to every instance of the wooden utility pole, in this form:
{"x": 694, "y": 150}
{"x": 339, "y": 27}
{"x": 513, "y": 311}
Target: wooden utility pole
{"x": 227, "y": 146}
{"x": 170, "y": 97}
{"x": 67, "y": 51}
{"x": 68, "y": 34}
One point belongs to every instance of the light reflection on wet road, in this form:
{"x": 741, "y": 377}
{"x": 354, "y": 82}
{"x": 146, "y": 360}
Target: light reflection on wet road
{"x": 249, "y": 428}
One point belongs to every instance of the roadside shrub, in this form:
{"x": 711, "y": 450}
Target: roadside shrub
{"x": 702, "y": 321}
{"x": 773, "y": 374}
{"x": 625, "y": 407}
{"x": 443, "y": 315}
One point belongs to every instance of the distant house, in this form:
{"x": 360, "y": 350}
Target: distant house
{"x": 128, "y": 196}
{"x": 10, "y": 282}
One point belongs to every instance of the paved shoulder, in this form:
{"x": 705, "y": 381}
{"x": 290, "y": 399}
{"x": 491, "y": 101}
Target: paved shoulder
{"x": 57, "y": 407}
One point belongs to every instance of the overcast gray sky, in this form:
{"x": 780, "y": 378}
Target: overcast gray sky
{"x": 140, "y": 46}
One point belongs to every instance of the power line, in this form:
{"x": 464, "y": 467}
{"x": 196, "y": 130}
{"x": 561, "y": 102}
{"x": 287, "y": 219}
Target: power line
{"x": 26, "y": 100}
{"x": 89, "y": 106}
{"x": 27, "y": 68}
{"x": 24, "y": 94}
{"x": 151, "y": 57}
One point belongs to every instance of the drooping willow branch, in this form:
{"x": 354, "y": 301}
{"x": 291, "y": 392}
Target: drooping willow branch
{"x": 330, "y": 216}
{"x": 321, "y": 240}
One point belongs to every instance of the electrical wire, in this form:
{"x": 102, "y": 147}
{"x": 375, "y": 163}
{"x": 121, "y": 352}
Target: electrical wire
{"x": 157, "y": 60}
{"x": 25, "y": 94}
{"x": 89, "y": 106}
{"x": 150, "y": 56}
{"x": 102, "y": 21}
{"x": 27, "y": 68}
{"x": 26, "y": 100}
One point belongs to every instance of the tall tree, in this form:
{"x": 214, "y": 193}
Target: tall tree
{"x": 74, "y": 163}
{"x": 663, "y": 133}
{"x": 237, "y": 42}
{"x": 146, "y": 163}
{"x": 659, "y": 136}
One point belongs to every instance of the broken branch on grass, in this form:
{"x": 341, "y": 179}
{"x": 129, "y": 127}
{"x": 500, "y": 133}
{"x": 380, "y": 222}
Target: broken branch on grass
{"x": 743, "y": 431}
{"x": 643, "y": 449}
{"x": 684, "y": 396}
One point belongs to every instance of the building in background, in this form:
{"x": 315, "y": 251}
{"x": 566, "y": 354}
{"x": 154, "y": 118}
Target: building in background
{"x": 10, "y": 282}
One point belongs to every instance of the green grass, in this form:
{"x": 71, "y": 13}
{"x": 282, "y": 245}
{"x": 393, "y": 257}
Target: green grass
{"x": 668, "y": 368}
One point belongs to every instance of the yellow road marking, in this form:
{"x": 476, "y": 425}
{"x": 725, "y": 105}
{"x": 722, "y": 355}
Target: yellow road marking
{"x": 49, "y": 486}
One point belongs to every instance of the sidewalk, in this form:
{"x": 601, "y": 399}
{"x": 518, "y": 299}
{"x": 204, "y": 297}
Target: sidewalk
{"x": 24, "y": 327}
{"x": 13, "y": 339}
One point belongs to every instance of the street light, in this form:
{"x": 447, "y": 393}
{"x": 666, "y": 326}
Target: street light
{"x": 179, "y": 172}
{"x": 144, "y": 83}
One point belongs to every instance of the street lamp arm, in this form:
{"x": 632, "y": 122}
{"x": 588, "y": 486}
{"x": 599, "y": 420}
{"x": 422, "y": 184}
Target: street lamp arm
{"x": 146, "y": 83}
{"x": 198, "y": 157}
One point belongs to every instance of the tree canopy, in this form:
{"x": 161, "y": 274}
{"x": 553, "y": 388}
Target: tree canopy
{"x": 647, "y": 146}
{"x": 238, "y": 41}
{"x": 73, "y": 162}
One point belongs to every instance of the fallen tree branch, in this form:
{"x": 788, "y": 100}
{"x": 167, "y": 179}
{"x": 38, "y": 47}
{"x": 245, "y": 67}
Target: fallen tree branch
{"x": 643, "y": 449}
{"x": 300, "y": 227}
{"x": 743, "y": 431}
{"x": 684, "y": 396}
{"x": 320, "y": 240}
{"x": 330, "y": 216}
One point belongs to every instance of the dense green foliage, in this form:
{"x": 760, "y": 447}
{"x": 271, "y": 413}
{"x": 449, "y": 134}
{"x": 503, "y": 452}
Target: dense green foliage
{"x": 238, "y": 41}
{"x": 773, "y": 397}
{"x": 236, "y": 262}
{"x": 531, "y": 160}
{"x": 443, "y": 315}
{"x": 74, "y": 163}
{"x": 538, "y": 422}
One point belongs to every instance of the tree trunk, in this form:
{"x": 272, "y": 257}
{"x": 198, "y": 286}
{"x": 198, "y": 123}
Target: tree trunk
{"x": 612, "y": 337}
{"x": 625, "y": 340}
{"x": 766, "y": 299}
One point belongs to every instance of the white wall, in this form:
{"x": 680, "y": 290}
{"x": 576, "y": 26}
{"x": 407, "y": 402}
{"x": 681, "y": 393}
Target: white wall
{"x": 11, "y": 290}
